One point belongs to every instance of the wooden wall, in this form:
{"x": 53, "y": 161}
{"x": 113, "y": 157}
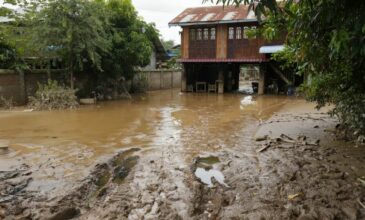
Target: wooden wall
{"x": 222, "y": 47}
{"x": 243, "y": 47}
{"x": 203, "y": 48}
{"x": 221, "y": 42}
{"x": 185, "y": 43}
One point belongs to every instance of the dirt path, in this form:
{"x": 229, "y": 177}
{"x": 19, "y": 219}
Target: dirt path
{"x": 264, "y": 175}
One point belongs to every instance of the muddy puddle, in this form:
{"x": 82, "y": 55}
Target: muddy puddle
{"x": 67, "y": 143}
{"x": 163, "y": 155}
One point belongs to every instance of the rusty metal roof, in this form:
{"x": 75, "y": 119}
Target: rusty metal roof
{"x": 213, "y": 15}
{"x": 239, "y": 60}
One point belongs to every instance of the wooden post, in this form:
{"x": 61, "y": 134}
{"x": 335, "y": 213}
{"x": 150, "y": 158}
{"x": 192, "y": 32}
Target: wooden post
{"x": 161, "y": 80}
{"x": 220, "y": 82}
{"x": 262, "y": 79}
{"x": 183, "y": 78}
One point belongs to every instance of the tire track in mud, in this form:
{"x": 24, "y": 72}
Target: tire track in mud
{"x": 156, "y": 189}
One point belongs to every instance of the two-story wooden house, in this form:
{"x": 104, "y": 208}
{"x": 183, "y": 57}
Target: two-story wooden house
{"x": 216, "y": 49}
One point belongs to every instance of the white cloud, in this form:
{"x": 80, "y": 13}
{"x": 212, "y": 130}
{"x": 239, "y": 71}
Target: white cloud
{"x": 161, "y": 12}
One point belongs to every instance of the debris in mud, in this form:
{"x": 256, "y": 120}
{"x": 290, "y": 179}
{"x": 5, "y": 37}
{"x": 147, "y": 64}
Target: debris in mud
{"x": 262, "y": 138}
{"x": 285, "y": 139}
{"x": 265, "y": 147}
{"x": 206, "y": 176}
{"x": 206, "y": 173}
{"x": 293, "y": 196}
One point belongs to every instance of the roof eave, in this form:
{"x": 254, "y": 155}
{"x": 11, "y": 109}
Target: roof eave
{"x": 184, "y": 24}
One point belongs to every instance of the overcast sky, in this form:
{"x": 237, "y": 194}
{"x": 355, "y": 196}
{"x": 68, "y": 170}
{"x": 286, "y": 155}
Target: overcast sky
{"x": 163, "y": 11}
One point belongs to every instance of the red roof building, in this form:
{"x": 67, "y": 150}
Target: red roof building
{"x": 215, "y": 46}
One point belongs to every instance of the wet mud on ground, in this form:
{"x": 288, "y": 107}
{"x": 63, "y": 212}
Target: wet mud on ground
{"x": 181, "y": 156}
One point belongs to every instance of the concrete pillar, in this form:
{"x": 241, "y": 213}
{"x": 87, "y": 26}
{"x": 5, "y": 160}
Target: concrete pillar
{"x": 183, "y": 78}
{"x": 262, "y": 79}
{"x": 220, "y": 82}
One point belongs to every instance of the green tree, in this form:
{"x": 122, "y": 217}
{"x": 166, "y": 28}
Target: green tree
{"x": 131, "y": 40}
{"x": 7, "y": 50}
{"x": 76, "y": 30}
{"x": 168, "y": 44}
{"x": 325, "y": 38}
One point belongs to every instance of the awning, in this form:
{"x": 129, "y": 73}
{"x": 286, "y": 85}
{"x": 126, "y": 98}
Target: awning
{"x": 207, "y": 60}
{"x": 271, "y": 49}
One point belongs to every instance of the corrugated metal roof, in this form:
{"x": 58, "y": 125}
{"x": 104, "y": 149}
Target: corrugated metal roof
{"x": 271, "y": 49}
{"x": 241, "y": 60}
{"x": 214, "y": 14}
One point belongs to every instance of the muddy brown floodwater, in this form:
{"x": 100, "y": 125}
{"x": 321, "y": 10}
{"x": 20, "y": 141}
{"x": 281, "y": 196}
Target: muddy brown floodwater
{"x": 168, "y": 155}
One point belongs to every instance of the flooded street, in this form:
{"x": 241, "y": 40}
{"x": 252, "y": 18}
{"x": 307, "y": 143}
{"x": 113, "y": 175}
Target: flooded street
{"x": 168, "y": 155}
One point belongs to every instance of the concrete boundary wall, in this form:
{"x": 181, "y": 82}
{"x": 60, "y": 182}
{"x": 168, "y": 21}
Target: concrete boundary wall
{"x": 12, "y": 85}
{"x": 160, "y": 79}
{"x": 20, "y": 86}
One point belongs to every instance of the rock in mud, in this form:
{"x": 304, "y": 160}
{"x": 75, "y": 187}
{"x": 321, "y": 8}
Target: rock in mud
{"x": 68, "y": 213}
{"x": 262, "y": 138}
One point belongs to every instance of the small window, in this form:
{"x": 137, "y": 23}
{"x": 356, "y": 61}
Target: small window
{"x": 212, "y": 33}
{"x": 231, "y": 33}
{"x": 206, "y": 34}
{"x": 245, "y": 32}
{"x": 238, "y": 33}
{"x": 192, "y": 34}
{"x": 199, "y": 34}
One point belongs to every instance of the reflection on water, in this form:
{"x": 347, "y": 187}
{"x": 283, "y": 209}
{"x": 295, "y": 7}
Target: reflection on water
{"x": 71, "y": 141}
{"x": 247, "y": 100}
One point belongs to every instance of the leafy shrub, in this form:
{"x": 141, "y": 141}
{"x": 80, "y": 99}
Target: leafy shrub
{"x": 140, "y": 83}
{"x": 7, "y": 55}
{"x": 52, "y": 96}
{"x": 6, "y": 103}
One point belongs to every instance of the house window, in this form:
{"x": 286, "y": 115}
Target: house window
{"x": 212, "y": 33}
{"x": 238, "y": 33}
{"x": 199, "y": 34}
{"x": 245, "y": 29}
{"x": 192, "y": 34}
{"x": 206, "y": 34}
{"x": 231, "y": 33}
